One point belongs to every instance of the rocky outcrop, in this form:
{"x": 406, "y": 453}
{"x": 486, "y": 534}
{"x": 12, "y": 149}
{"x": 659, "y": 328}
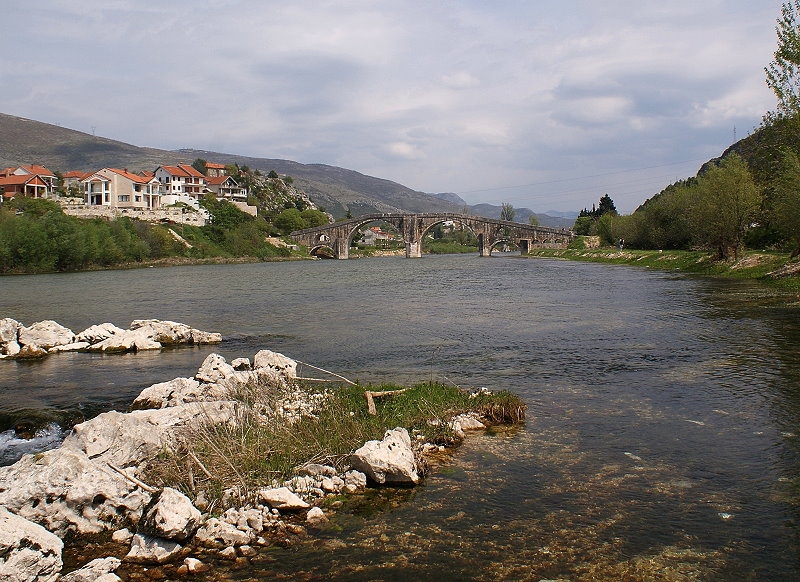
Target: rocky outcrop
{"x": 99, "y": 570}
{"x": 390, "y": 460}
{"x": 46, "y": 337}
{"x": 28, "y": 552}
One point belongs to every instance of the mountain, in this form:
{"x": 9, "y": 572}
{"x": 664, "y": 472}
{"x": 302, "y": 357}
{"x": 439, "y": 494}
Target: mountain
{"x": 337, "y": 190}
{"x": 557, "y": 220}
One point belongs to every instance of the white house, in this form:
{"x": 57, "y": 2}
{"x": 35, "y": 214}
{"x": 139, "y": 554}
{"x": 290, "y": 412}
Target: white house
{"x": 181, "y": 180}
{"x": 121, "y": 189}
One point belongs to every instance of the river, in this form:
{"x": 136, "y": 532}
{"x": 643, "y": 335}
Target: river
{"x": 662, "y": 437}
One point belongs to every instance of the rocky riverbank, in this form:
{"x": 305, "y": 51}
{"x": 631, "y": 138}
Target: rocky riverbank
{"x": 18, "y": 341}
{"x": 96, "y": 480}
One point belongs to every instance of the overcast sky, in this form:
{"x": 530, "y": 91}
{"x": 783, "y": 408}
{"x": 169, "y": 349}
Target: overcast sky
{"x": 538, "y": 103}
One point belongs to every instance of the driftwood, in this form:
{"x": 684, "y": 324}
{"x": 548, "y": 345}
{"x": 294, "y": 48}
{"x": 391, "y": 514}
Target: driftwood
{"x": 134, "y": 480}
{"x": 324, "y": 371}
{"x": 370, "y": 396}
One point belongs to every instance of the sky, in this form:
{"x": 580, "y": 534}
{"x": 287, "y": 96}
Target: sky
{"x": 541, "y": 104}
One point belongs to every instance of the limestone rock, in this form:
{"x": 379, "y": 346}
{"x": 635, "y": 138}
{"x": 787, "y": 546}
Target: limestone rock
{"x": 170, "y": 515}
{"x": 30, "y": 352}
{"x": 469, "y": 422}
{"x": 218, "y": 533}
{"x": 172, "y": 393}
{"x": 282, "y": 498}
{"x": 28, "y": 552}
{"x": 98, "y": 333}
{"x": 388, "y": 461}
{"x": 45, "y": 334}
{"x": 73, "y": 347}
{"x": 316, "y": 517}
{"x": 9, "y": 330}
{"x": 126, "y": 341}
{"x": 152, "y": 550}
{"x": 214, "y": 368}
{"x": 171, "y": 332}
{"x": 275, "y": 361}
{"x": 95, "y": 571}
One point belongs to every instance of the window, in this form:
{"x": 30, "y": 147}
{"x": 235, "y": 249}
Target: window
{"x": 137, "y": 198}
{"x": 124, "y": 198}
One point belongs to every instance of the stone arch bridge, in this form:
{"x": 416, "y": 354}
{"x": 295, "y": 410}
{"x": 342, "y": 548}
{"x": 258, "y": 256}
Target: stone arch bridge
{"x": 413, "y": 228}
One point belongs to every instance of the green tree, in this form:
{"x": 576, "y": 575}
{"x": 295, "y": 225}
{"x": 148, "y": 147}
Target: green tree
{"x": 201, "y": 166}
{"x": 290, "y": 220}
{"x": 783, "y": 73}
{"x": 507, "y": 212}
{"x": 784, "y": 206}
{"x": 725, "y": 202}
{"x": 533, "y": 220}
{"x": 606, "y": 206}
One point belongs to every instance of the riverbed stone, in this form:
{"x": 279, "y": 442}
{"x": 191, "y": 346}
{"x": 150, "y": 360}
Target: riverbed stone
{"x": 9, "y": 330}
{"x": 217, "y": 533}
{"x": 73, "y": 347}
{"x": 171, "y": 332}
{"x": 153, "y": 550}
{"x": 98, "y": 570}
{"x": 282, "y": 499}
{"x": 126, "y": 341}
{"x": 28, "y": 552}
{"x": 45, "y": 334}
{"x": 170, "y": 515}
{"x": 390, "y": 460}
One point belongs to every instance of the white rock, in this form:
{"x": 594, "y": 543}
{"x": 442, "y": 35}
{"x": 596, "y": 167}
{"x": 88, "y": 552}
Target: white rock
{"x": 9, "y": 330}
{"x": 275, "y": 361}
{"x": 316, "y": 516}
{"x": 98, "y": 333}
{"x": 45, "y": 334}
{"x": 175, "y": 392}
{"x": 152, "y": 550}
{"x": 95, "y": 571}
{"x": 28, "y": 552}
{"x": 219, "y": 533}
{"x": 122, "y": 536}
{"x": 282, "y": 498}
{"x": 195, "y": 566}
{"x": 469, "y": 422}
{"x": 241, "y": 364}
{"x": 126, "y": 341}
{"x": 170, "y": 515}
{"x": 73, "y": 347}
{"x": 214, "y": 369}
{"x": 388, "y": 461}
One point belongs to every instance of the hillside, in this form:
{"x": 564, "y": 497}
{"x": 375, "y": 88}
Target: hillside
{"x": 24, "y": 141}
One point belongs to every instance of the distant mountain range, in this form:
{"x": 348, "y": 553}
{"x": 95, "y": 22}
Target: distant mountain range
{"x": 25, "y": 141}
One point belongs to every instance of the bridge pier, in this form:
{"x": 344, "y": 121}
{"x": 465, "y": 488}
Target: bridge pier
{"x": 414, "y": 250}
{"x": 342, "y": 248}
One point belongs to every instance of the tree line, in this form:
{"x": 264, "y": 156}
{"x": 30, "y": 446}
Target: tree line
{"x": 749, "y": 197}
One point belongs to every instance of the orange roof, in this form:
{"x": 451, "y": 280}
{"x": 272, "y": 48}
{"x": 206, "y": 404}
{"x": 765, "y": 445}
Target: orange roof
{"x": 218, "y": 180}
{"x": 75, "y": 174}
{"x": 184, "y": 170}
{"x": 130, "y": 175}
{"x": 15, "y": 180}
{"x": 215, "y": 166}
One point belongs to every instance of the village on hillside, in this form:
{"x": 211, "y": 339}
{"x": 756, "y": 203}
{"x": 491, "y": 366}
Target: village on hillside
{"x": 169, "y": 193}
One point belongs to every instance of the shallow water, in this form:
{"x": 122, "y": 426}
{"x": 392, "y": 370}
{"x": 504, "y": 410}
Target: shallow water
{"x": 662, "y": 431}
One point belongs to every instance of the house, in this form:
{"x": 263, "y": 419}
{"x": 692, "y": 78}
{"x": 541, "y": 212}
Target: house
{"x": 225, "y": 187}
{"x": 375, "y": 236}
{"x": 35, "y": 181}
{"x": 29, "y": 185}
{"x": 181, "y": 180}
{"x": 214, "y": 170}
{"x": 121, "y": 189}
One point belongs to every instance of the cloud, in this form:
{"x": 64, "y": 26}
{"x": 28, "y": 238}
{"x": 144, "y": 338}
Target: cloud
{"x": 546, "y": 104}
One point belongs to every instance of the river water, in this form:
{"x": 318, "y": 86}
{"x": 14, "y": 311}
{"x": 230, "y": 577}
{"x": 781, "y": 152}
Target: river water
{"x": 661, "y": 442}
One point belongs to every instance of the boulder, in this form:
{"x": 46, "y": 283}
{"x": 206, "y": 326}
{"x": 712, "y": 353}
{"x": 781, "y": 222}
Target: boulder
{"x": 391, "y": 460}
{"x": 28, "y": 552}
{"x": 275, "y": 361}
{"x": 171, "y": 332}
{"x": 215, "y": 533}
{"x": 30, "y": 352}
{"x": 64, "y": 490}
{"x": 98, "y": 333}
{"x": 126, "y": 439}
{"x": 282, "y": 498}
{"x": 126, "y": 341}
{"x": 73, "y": 347}
{"x": 153, "y": 550}
{"x": 45, "y": 334}
{"x": 9, "y": 330}
{"x": 170, "y": 515}
{"x": 99, "y": 570}
{"x": 172, "y": 393}
{"x": 316, "y": 517}
{"x": 214, "y": 368}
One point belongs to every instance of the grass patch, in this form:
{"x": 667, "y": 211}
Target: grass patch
{"x": 279, "y": 428}
{"x": 773, "y": 268}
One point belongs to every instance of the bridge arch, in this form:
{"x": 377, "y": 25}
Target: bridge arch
{"x": 413, "y": 228}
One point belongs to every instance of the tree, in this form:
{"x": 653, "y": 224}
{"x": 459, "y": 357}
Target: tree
{"x": 507, "y": 212}
{"x": 533, "y": 220}
{"x": 785, "y": 200}
{"x": 606, "y": 206}
{"x": 783, "y": 73}
{"x": 201, "y": 166}
{"x": 725, "y": 202}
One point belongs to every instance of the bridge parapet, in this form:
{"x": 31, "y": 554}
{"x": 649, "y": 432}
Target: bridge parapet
{"x": 413, "y": 227}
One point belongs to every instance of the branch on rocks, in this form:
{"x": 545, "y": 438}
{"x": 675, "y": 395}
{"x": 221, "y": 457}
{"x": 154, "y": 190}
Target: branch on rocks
{"x": 325, "y": 372}
{"x": 134, "y": 480}
{"x": 370, "y": 396}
